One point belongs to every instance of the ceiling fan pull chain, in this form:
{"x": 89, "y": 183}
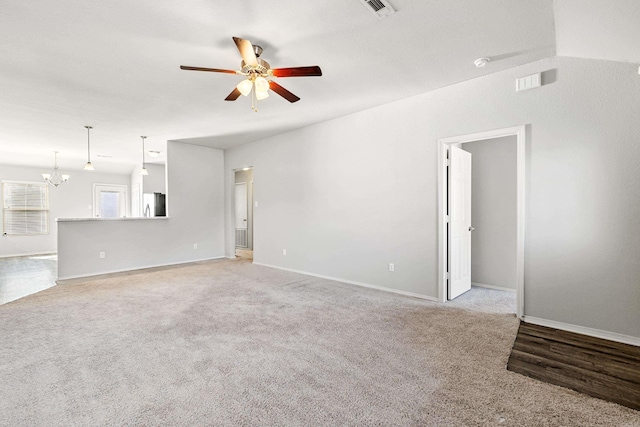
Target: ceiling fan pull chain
{"x": 254, "y": 100}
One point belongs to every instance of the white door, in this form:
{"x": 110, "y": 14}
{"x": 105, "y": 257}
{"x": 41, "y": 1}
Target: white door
{"x": 459, "y": 200}
{"x": 109, "y": 201}
{"x": 241, "y": 215}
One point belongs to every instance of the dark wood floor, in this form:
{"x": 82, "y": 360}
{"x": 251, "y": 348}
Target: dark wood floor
{"x": 600, "y": 368}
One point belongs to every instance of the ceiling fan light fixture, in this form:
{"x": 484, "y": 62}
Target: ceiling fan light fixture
{"x": 89, "y": 167}
{"x": 260, "y": 95}
{"x": 262, "y": 85}
{"x": 245, "y": 87}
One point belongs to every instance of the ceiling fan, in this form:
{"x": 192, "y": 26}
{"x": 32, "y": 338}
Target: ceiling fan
{"x": 257, "y": 72}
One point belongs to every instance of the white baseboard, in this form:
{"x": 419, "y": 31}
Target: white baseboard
{"x": 597, "y": 333}
{"x": 28, "y": 254}
{"x": 146, "y": 267}
{"x": 352, "y": 282}
{"x": 497, "y": 288}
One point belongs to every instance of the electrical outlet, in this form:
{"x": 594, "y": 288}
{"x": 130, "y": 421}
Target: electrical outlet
{"x": 284, "y": 252}
{"x": 392, "y": 267}
{"x": 102, "y": 255}
{"x": 195, "y": 246}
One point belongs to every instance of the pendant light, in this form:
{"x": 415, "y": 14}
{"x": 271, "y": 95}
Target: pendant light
{"x": 55, "y": 178}
{"x": 144, "y": 170}
{"x": 88, "y": 166}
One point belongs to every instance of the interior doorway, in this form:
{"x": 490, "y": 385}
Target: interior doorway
{"x": 455, "y": 225}
{"x": 243, "y": 213}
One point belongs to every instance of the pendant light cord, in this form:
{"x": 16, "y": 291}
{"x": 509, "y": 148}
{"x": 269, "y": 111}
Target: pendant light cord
{"x": 88, "y": 144}
{"x": 143, "y": 165}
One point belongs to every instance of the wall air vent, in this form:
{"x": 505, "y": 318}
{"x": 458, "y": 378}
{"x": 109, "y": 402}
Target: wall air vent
{"x": 380, "y": 8}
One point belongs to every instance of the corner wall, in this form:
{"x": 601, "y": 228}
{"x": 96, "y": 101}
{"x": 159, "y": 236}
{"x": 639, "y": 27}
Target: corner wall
{"x": 348, "y": 196}
{"x": 196, "y": 216}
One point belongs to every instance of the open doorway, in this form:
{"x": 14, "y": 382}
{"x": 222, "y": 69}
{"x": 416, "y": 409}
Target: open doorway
{"x": 499, "y": 259}
{"x": 243, "y": 203}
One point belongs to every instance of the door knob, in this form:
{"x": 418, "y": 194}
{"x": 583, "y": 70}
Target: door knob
{"x": 471, "y": 228}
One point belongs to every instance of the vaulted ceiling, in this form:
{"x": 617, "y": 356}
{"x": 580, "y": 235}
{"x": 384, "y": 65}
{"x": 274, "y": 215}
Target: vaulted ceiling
{"x": 115, "y": 65}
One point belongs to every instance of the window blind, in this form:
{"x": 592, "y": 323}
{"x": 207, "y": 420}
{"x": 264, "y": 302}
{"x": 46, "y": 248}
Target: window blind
{"x": 25, "y": 209}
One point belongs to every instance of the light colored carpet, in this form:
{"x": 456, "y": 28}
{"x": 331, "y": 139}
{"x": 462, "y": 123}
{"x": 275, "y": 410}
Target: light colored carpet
{"x": 228, "y": 343}
{"x": 486, "y": 300}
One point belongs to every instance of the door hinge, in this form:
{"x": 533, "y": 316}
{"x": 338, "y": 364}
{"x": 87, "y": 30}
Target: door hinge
{"x": 446, "y": 275}
{"x": 446, "y": 218}
{"x": 448, "y": 162}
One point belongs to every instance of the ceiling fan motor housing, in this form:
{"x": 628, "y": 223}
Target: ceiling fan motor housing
{"x": 262, "y": 68}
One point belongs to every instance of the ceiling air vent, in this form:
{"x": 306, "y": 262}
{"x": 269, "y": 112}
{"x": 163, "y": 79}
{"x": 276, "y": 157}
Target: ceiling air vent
{"x": 380, "y": 8}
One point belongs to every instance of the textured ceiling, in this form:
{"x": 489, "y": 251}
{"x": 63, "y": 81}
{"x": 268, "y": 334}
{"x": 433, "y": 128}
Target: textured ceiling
{"x": 598, "y": 29}
{"x": 115, "y": 65}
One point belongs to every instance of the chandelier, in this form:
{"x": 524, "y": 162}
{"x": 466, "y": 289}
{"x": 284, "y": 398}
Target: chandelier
{"x": 55, "y": 178}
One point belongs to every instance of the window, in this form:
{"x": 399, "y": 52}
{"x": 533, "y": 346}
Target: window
{"x": 25, "y": 208}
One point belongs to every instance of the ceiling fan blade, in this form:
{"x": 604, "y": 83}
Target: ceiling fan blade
{"x": 283, "y": 92}
{"x": 213, "y": 70}
{"x": 297, "y": 71}
{"x": 233, "y": 95}
{"x": 246, "y": 50}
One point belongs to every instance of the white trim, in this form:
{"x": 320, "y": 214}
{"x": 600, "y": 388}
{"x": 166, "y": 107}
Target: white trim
{"x": 28, "y": 254}
{"x": 497, "y": 288}
{"x": 520, "y": 133}
{"x": 145, "y": 267}
{"x": 597, "y": 333}
{"x": 128, "y": 218}
{"x": 352, "y": 282}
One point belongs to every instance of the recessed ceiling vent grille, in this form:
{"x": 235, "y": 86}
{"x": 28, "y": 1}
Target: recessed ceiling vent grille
{"x": 380, "y": 8}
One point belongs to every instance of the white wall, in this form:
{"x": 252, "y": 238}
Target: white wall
{"x": 155, "y": 182}
{"x": 196, "y": 216}
{"x": 136, "y": 179}
{"x": 493, "y": 211}
{"x": 74, "y": 199}
{"x": 348, "y": 196}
